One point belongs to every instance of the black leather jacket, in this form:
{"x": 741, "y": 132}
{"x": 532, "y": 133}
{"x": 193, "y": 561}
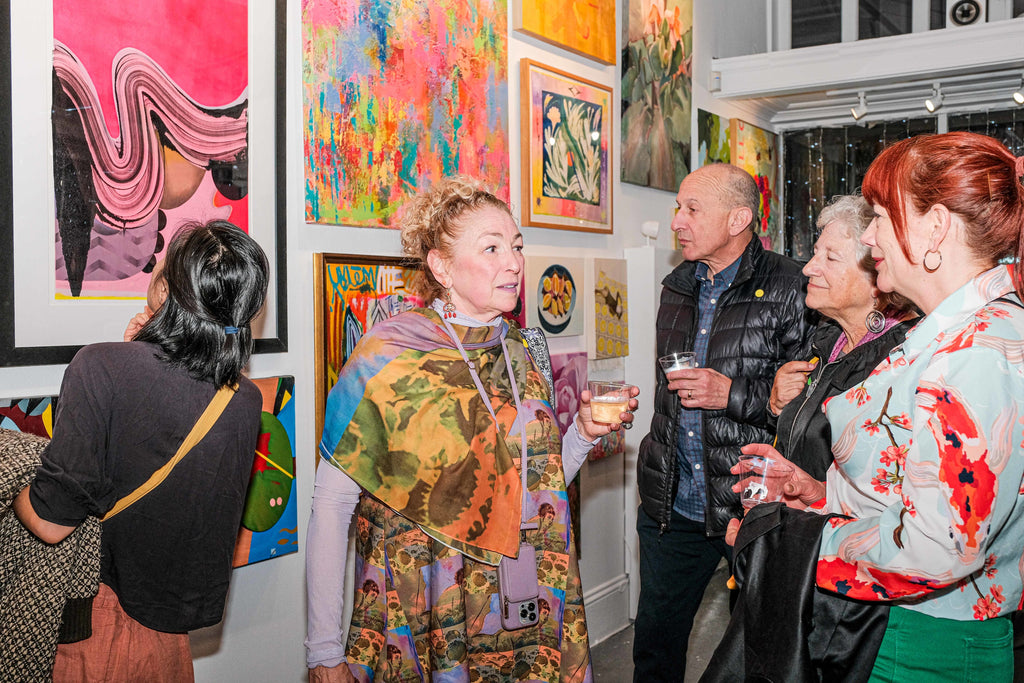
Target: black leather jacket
{"x": 804, "y": 435}
{"x": 760, "y": 323}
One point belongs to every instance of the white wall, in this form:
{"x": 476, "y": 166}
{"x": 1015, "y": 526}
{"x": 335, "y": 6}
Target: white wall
{"x": 261, "y": 636}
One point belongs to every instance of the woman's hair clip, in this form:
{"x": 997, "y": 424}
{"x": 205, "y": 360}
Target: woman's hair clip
{"x": 230, "y": 330}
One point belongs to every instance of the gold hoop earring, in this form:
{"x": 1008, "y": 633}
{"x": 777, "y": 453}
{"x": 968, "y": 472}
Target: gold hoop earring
{"x": 932, "y": 269}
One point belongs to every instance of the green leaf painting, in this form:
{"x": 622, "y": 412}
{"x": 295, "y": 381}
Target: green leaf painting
{"x": 572, "y": 149}
{"x": 712, "y": 139}
{"x": 656, "y": 92}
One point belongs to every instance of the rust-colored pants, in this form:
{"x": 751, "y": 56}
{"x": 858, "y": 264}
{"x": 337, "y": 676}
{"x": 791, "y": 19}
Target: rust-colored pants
{"x": 123, "y": 650}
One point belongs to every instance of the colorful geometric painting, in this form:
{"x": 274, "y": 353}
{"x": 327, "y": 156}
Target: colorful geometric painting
{"x": 712, "y": 139}
{"x": 270, "y": 526}
{"x": 29, "y": 415}
{"x": 555, "y": 289}
{"x": 587, "y": 28}
{"x": 352, "y": 294}
{"x": 398, "y": 95}
{"x": 150, "y": 130}
{"x": 755, "y": 150}
{"x": 657, "y": 92}
{"x": 611, "y": 312}
{"x": 566, "y": 145}
{"x": 612, "y": 443}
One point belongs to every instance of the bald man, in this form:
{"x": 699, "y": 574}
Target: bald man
{"x": 741, "y": 309}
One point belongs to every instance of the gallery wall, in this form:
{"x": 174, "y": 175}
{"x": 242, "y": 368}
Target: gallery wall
{"x": 261, "y": 636}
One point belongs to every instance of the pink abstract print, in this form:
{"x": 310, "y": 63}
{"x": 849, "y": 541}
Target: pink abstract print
{"x": 150, "y": 132}
{"x": 398, "y": 95}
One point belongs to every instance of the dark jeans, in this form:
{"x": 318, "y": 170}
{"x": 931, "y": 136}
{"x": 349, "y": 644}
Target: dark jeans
{"x": 675, "y": 568}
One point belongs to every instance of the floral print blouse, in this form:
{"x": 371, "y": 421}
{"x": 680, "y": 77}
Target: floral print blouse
{"x": 929, "y": 458}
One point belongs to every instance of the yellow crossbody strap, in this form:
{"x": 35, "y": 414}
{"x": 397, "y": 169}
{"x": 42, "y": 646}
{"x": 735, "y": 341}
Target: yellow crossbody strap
{"x": 199, "y": 430}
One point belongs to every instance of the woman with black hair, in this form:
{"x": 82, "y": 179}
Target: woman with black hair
{"x": 124, "y": 412}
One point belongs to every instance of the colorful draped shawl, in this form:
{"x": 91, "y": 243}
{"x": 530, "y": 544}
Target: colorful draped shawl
{"x": 406, "y": 422}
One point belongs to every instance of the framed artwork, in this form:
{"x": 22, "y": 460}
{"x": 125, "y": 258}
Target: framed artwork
{"x": 712, "y": 139}
{"x": 566, "y": 150}
{"x": 270, "y": 526}
{"x": 396, "y": 96}
{"x": 160, "y": 116}
{"x": 657, "y": 70}
{"x": 351, "y": 294}
{"x": 586, "y": 28}
{"x": 613, "y": 443}
{"x": 756, "y": 151}
{"x": 611, "y": 311}
{"x": 29, "y": 415}
{"x": 555, "y": 291}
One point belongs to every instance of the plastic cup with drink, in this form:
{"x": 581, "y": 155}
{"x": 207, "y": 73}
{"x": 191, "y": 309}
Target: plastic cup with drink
{"x": 608, "y": 400}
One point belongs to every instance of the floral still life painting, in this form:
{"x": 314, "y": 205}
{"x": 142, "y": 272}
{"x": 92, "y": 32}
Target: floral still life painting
{"x": 657, "y": 58}
{"x": 566, "y": 148}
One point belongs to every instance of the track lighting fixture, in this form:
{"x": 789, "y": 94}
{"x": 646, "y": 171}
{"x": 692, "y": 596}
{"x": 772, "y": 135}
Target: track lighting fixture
{"x": 1018, "y": 94}
{"x": 861, "y": 108}
{"x": 935, "y": 101}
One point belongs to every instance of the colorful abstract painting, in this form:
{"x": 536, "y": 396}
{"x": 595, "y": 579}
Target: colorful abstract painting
{"x": 398, "y": 95}
{"x": 712, "y": 139}
{"x": 657, "y": 73}
{"x": 29, "y": 415}
{"x": 566, "y": 149}
{"x": 150, "y": 131}
{"x": 555, "y": 289}
{"x": 586, "y": 27}
{"x": 270, "y": 526}
{"x": 352, "y": 294}
{"x": 611, "y": 312}
{"x": 755, "y": 150}
{"x": 613, "y": 443}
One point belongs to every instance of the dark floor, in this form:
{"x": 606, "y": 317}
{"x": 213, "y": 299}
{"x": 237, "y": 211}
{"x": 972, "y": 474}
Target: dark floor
{"x": 613, "y": 658}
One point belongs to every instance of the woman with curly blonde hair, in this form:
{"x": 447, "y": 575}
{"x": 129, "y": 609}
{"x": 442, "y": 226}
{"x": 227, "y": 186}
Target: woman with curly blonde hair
{"x": 425, "y": 433}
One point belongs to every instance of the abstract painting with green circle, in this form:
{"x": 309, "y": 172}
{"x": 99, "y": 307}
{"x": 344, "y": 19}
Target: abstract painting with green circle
{"x": 269, "y": 520}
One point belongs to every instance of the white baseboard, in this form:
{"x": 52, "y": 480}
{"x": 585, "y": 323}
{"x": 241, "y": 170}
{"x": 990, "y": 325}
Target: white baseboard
{"x": 607, "y": 608}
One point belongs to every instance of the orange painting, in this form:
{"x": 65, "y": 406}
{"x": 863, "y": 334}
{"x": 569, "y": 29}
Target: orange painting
{"x": 586, "y": 27}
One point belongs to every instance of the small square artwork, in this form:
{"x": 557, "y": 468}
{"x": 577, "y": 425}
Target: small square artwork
{"x": 712, "y": 139}
{"x": 756, "y": 151}
{"x": 270, "y": 526}
{"x": 555, "y": 289}
{"x": 611, "y": 312}
{"x": 29, "y": 415}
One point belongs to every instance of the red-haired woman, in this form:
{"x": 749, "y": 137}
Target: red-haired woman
{"x": 928, "y": 467}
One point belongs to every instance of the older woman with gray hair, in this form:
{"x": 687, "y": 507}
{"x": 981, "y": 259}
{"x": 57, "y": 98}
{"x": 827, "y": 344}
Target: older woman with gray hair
{"x": 859, "y": 326}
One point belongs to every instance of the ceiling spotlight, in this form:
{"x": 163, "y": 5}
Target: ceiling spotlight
{"x": 935, "y": 101}
{"x": 861, "y": 108}
{"x": 1018, "y": 94}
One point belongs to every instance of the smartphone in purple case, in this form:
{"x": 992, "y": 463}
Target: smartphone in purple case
{"x": 518, "y": 589}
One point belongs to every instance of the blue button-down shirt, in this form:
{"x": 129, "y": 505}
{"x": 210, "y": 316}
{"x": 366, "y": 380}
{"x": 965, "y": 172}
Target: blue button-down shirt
{"x": 692, "y": 495}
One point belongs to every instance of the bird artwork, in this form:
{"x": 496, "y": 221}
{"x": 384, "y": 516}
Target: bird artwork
{"x": 613, "y": 301}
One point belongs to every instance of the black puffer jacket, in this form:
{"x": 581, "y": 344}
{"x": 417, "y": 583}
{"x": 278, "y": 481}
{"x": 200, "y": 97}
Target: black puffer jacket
{"x": 760, "y": 323}
{"x": 803, "y": 430}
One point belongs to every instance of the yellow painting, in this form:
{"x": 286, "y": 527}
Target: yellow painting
{"x": 586, "y": 27}
{"x": 611, "y": 313}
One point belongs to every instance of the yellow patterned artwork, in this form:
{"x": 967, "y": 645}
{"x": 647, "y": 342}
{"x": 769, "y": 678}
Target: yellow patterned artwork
{"x": 586, "y": 27}
{"x": 611, "y": 313}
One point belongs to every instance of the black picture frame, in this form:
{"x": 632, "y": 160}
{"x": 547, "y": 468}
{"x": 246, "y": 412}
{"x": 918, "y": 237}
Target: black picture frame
{"x": 13, "y": 355}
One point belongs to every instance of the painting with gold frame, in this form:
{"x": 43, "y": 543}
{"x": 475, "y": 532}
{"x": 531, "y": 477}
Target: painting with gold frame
{"x": 566, "y": 150}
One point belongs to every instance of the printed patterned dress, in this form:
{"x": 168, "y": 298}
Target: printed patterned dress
{"x": 929, "y": 461}
{"x": 442, "y": 503}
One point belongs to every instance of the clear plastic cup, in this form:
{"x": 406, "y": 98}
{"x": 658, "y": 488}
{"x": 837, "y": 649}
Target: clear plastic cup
{"x": 677, "y": 361}
{"x": 608, "y": 400}
{"x": 765, "y": 478}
